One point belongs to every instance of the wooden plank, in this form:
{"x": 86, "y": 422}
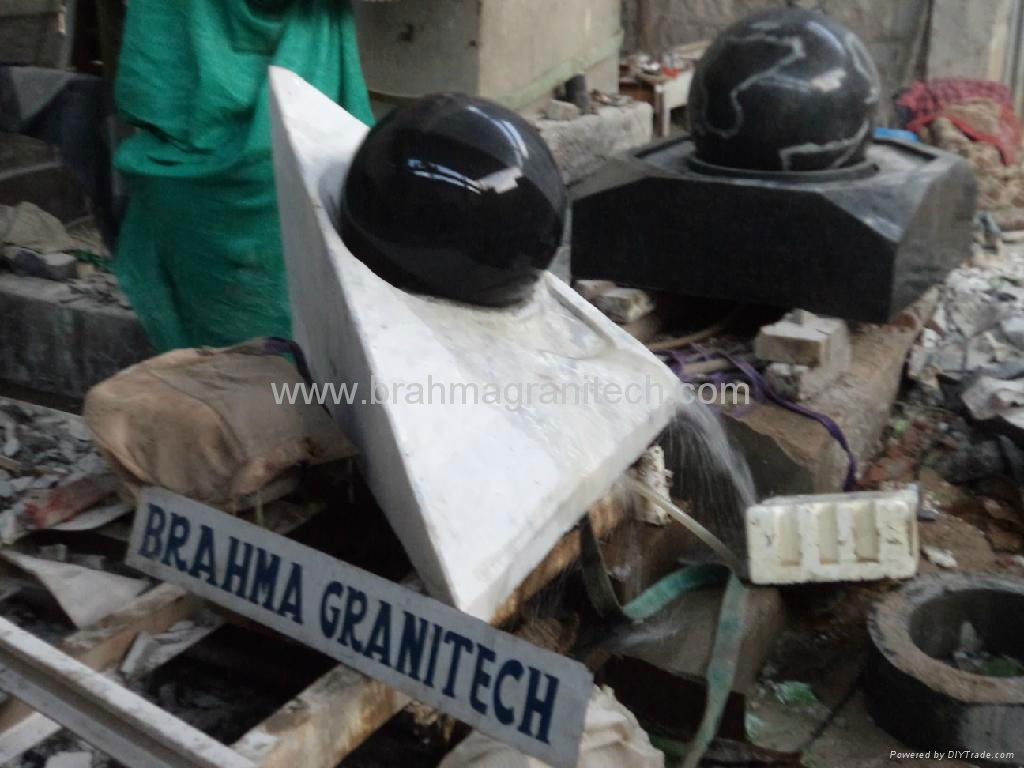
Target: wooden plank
{"x": 330, "y": 719}
{"x": 324, "y": 723}
{"x": 605, "y": 516}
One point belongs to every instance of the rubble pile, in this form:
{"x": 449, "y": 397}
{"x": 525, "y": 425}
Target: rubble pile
{"x": 101, "y": 287}
{"x": 973, "y": 347}
{"x": 41, "y": 448}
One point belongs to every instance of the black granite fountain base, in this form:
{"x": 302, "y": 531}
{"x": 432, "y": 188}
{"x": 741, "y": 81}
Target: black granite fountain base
{"x": 860, "y": 243}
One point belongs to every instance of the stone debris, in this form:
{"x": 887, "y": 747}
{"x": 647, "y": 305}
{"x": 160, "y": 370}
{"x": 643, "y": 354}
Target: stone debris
{"x": 561, "y": 110}
{"x": 582, "y": 145}
{"x": 624, "y": 305}
{"x": 70, "y": 760}
{"x": 978, "y": 325}
{"x": 650, "y": 470}
{"x": 101, "y": 287}
{"x": 28, "y": 226}
{"x": 806, "y": 354}
{"x": 151, "y": 651}
{"x": 940, "y": 557}
{"x": 40, "y": 449}
{"x": 63, "y": 503}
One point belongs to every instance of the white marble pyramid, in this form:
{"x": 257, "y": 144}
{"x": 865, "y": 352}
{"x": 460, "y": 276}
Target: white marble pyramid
{"x": 478, "y": 474}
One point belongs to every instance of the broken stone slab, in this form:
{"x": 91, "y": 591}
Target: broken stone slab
{"x": 56, "y": 341}
{"x": 802, "y": 338}
{"x": 989, "y": 397}
{"x": 477, "y": 492}
{"x": 561, "y": 110}
{"x": 834, "y": 537}
{"x": 86, "y": 596}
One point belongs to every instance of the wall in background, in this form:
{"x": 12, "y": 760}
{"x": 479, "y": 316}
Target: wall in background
{"x": 905, "y": 36}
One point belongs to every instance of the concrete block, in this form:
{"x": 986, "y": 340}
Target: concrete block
{"x": 561, "y": 110}
{"x": 625, "y": 305}
{"x": 837, "y": 537}
{"x": 802, "y": 338}
{"x": 582, "y": 146}
{"x": 53, "y": 340}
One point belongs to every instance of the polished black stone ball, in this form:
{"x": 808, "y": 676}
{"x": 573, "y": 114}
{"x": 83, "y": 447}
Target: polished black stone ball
{"x": 784, "y": 90}
{"x": 455, "y": 197}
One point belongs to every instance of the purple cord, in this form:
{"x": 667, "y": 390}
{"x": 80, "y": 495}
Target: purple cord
{"x": 762, "y": 391}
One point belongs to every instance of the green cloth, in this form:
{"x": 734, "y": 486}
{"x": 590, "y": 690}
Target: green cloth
{"x": 199, "y": 253}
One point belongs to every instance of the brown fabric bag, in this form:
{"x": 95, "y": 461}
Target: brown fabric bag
{"x": 204, "y": 423}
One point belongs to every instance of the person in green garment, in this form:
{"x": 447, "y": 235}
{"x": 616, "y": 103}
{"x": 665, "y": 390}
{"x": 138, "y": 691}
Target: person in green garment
{"x": 199, "y": 251}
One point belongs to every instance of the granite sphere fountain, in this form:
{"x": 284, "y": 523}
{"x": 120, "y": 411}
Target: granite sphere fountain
{"x": 433, "y": 308}
{"x": 779, "y": 195}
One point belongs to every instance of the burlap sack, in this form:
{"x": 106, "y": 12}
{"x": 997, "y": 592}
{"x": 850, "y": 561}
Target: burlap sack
{"x": 204, "y": 423}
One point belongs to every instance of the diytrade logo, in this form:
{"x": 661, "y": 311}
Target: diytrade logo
{"x": 963, "y": 755}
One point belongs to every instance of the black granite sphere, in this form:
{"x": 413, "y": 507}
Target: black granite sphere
{"x": 784, "y": 90}
{"x": 455, "y": 197}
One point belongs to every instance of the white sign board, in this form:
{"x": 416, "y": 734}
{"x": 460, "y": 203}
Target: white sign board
{"x": 511, "y": 690}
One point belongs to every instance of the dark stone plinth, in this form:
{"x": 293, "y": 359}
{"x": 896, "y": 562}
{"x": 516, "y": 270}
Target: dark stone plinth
{"x": 860, "y": 243}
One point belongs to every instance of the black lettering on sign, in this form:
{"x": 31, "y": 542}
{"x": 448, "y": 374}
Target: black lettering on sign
{"x": 237, "y": 570}
{"x": 506, "y": 715}
{"x": 411, "y": 646}
{"x": 379, "y": 644}
{"x": 355, "y": 612}
{"x": 459, "y": 644}
{"x": 264, "y": 580}
{"x": 203, "y": 562}
{"x": 541, "y": 707}
{"x": 330, "y": 613}
{"x": 152, "y": 539}
{"x": 176, "y": 539}
{"x": 435, "y": 647}
{"x": 291, "y": 601}
{"x": 481, "y": 678}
